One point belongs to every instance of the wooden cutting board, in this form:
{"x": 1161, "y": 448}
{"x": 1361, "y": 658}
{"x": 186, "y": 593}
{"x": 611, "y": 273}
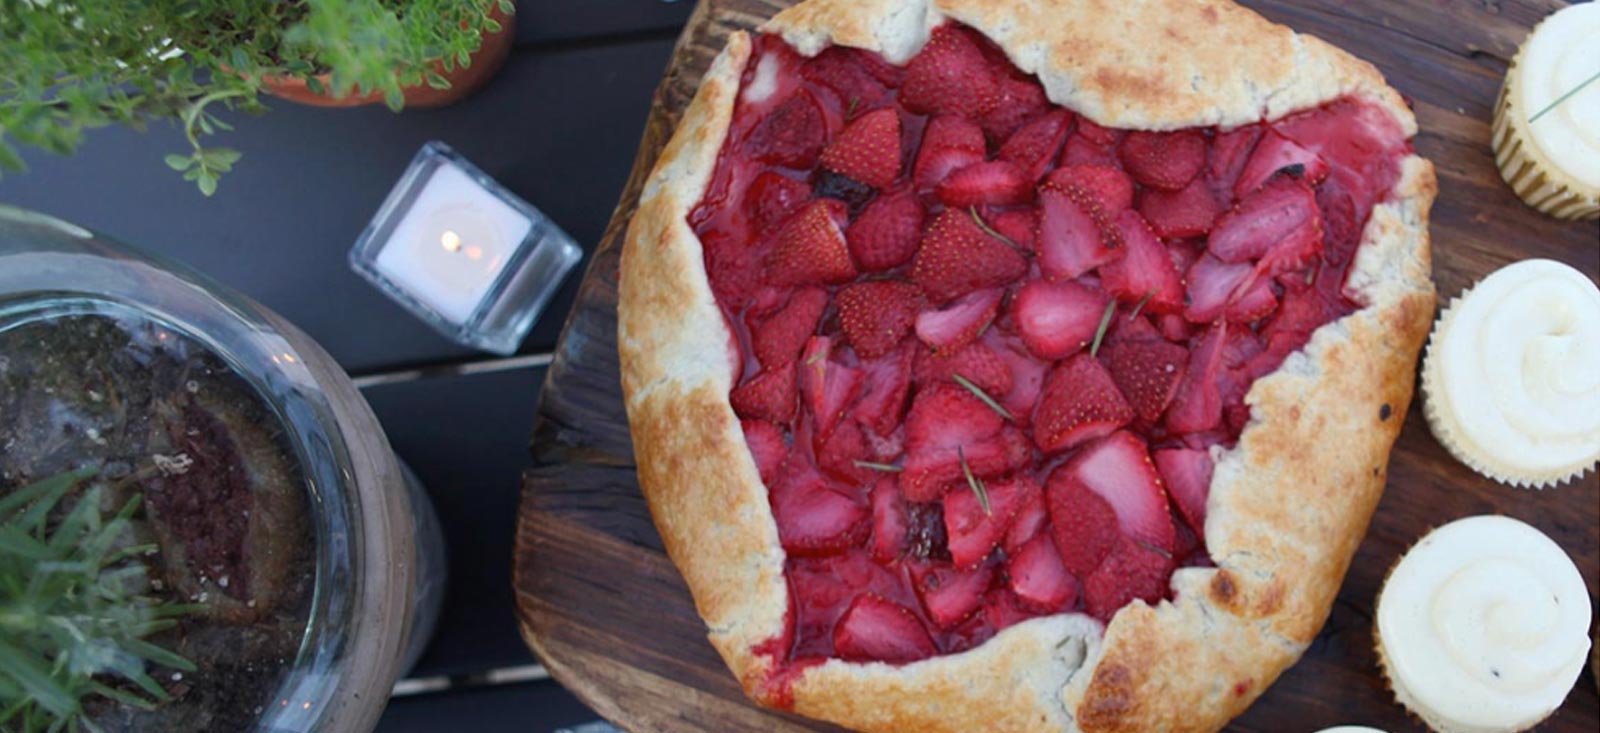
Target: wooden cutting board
{"x": 599, "y": 602}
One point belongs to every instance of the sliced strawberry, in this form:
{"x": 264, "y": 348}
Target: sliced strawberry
{"x": 1197, "y": 407}
{"x": 814, "y": 519}
{"x": 946, "y": 426}
{"x": 1002, "y": 609}
{"x": 883, "y": 398}
{"x": 1081, "y": 150}
{"x": 772, "y": 197}
{"x": 1034, "y": 147}
{"x": 1109, "y": 187}
{"x": 1080, "y": 403}
{"x": 957, "y": 257}
{"x": 1145, "y": 273}
{"x": 1213, "y": 284}
{"x": 1175, "y": 328}
{"x": 767, "y": 446}
{"x": 1118, "y": 468}
{"x": 811, "y": 249}
{"x": 1099, "y": 133}
{"x": 959, "y": 323}
{"x": 886, "y": 233}
{"x": 860, "y": 78}
{"x": 1229, "y": 152}
{"x": 1147, "y": 372}
{"x": 827, "y": 386}
{"x": 949, "y": 76}
{"x": 1255, "y": 302}
{"x": 949, "y": 144}
{"x": 1187, "y": 212}
{"x": 1056, "y": 319}
{"x": 1279, "y": 224}
{"x": 777, "y": 340}
{"x": 1165, "y": 160}
{"x": 1187, "y": 473}
{"x": 868, "y": 150}
{"x": 877, "y": 630}
{"x": 731, "y": 265}
{"x": 876, "y": 315}
{"x": 769, "y": 395}
{"x": 950, "y": 594}
{"x": 977, "y": 363}
{"x": 974, "y": 530}
{"x": 1032, "y": 517}
{"x": 1027, "y": 376}
{"x": 841, "y": 454}
{"x": 1132, "y": 571}
{"x": 1303, "y": 311}
{"x": 1018, "y": 225}
{"x": 889, "y": 521}
{"x": 792, "y": 135}
{"x": 1074, "y": 237}
{"x": 1020, "y": 99}
{"x": 1040, "y": 578}
{"x": 990, "y": 183}
{"x": 1277, "y": 153}
{"x": 1082, "y": 524}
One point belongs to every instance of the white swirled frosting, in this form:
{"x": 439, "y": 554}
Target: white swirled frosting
{"x": 1483, "y": 626}
{"x": 1512, "y": 376}
{"x": 1559, "y": 56}
{"x": 1350, "y": 729}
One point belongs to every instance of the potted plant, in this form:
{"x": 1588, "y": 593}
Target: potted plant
{"x": 69, "y": 67}
{"x": 202, "y": 525}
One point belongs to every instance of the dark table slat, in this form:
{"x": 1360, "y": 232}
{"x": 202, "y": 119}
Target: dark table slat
{"x": 466, "y": 438}
{"x": 542, "y": 22}
{"x": 539, "y": 707}
{"x": 558, "y": 128}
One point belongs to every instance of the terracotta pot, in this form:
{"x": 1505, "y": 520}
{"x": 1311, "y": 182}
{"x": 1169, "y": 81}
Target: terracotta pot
{"x": 463, "y": 80}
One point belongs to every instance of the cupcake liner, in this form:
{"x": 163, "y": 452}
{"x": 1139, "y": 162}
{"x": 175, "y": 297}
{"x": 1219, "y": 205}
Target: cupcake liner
{"x": 1538, "y": 182}
{"x": 1442, "y": 419}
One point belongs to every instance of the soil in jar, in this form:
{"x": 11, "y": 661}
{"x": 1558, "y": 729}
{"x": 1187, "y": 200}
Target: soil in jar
{"x": 223, "y": 497}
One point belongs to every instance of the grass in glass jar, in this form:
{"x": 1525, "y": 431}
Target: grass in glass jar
{"x": 190, "y": 533}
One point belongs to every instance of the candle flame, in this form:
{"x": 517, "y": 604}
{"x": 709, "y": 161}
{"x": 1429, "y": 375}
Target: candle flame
{"x": 450, "y": 241}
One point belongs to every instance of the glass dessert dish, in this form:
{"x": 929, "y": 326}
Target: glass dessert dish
{"x": 309, "y": 569}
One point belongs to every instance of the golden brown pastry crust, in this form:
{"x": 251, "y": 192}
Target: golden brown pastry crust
{"x": 1288, "y": 504}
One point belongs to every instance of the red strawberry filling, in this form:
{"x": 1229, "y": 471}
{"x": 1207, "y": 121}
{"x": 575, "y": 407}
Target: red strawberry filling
{"x": 988, "y": 344}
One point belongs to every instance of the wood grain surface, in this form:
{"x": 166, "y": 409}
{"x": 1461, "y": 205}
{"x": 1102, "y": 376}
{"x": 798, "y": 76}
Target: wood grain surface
{"x": 602, "y": 606}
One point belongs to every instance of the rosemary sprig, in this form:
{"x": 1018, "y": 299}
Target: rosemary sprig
{"x": 1147, "y": 296}
{"x": 884, "y": 467}
{"x": 982, "y": 395}
{"x": 974, "y": 482}
{"x": 73, "y": 609}
{"x": 1105, "y": 324}
{"x": 1569, "y": 95}
{"x": 991, "y": 231}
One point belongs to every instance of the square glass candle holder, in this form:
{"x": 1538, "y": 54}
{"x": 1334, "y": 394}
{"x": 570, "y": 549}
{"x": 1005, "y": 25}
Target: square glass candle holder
{"x": 462, "y": 253}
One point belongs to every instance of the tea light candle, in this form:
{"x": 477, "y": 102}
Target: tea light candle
{"x": 462, "y": 253}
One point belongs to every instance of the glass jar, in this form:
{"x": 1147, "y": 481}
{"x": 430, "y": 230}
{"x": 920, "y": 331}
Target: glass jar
{"x": 379, "y": 564}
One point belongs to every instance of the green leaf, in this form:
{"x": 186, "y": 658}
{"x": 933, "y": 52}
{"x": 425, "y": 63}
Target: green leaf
{"x": 150, "y": 652}
{"x": 207, "y": 182}
{"x": 36, "y": 680}
{"x": 315, "y": 85}
{"x": 178, "y": 162}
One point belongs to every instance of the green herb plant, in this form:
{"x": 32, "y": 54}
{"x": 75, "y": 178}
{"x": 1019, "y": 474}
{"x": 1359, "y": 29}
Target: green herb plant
{"x": 66, "y": 67}
{"x": 74, "y": 614}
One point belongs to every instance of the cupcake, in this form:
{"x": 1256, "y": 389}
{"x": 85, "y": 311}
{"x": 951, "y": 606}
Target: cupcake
{"x": 1511, "y": 378}
{"x": 1546, "y": 139}
{"x": 1483, "y": 626}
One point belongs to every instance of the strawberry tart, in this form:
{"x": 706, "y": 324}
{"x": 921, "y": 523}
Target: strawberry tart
{"x": 1023, "y": 366}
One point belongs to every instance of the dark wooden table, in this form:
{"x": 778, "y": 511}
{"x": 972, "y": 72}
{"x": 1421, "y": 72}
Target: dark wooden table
{"x": 613, "y": 621}
{"x": 559, "y": 126}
